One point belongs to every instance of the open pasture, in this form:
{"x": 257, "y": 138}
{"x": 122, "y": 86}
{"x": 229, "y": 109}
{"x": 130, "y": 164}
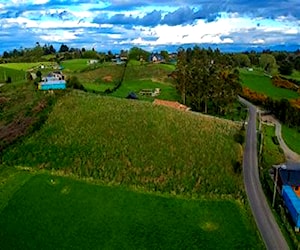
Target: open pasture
{"x": 25, "y": 66}
{"x": 50, "y": 212}
{"x": 148, "y": 76}
{"x": 257, "y": 81}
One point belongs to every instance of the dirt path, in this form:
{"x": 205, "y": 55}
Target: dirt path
{"x": 290, "y": 155}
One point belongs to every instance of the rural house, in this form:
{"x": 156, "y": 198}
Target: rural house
{"x": 156, "y": 58}
{"x": 54, "y": 80}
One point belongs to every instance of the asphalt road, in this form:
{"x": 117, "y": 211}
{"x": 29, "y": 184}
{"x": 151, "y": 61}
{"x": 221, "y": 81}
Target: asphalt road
{"x": 262, "y": 213}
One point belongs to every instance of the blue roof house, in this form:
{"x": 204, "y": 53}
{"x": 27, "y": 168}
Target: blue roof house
{"x": 53, "y": 81}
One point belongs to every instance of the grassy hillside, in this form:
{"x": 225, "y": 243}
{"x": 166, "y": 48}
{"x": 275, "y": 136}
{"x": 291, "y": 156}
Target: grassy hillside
{"x": 106, "y": 76}
{"x": 148, "y": 76}
{"x": 15, "y": 75}
{"x": 63, "y": 213}
{"x": 257, "y": 81}
{"x": 134, "y": 144}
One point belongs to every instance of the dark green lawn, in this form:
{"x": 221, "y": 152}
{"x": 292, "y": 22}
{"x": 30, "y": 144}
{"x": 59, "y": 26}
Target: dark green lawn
{"x": 59, "y": 213}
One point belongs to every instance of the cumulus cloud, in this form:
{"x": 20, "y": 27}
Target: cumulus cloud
{"x": 149, "y": 23}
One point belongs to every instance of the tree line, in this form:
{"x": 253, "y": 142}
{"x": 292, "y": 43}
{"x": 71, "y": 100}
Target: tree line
{"x": 206, "y": 81}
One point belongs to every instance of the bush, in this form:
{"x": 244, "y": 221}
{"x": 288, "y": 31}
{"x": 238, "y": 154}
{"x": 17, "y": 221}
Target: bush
{"x": 74, "y": 83}
{"x": 240, "y": 136}
{"x": 8, "y": 80}
{"x": 275, "y": 140}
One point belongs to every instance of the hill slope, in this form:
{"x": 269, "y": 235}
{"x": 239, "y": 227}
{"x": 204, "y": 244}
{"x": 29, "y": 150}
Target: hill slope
{"x": 135, "y": 144}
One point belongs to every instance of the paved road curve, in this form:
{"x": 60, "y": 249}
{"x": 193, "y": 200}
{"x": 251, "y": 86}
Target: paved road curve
{"x": 264, "y": 218}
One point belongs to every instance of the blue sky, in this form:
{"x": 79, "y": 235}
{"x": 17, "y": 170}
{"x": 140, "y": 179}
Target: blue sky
{"x": 153, "y": 25}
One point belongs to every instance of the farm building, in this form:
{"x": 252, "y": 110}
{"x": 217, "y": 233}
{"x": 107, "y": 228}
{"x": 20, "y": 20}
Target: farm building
{"x": 156, "y": 58}
{"x": 92, "y": 61}
{"x": 54, "y": 80}
{"x": 289, "y": 175}
{"x": 288, "y": 178}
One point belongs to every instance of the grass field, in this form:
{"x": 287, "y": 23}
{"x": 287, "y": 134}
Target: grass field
{"x": 24, "y": 66}
{"x": 291, "y": 137}
{"x": 74, "y": 65}
{"x": 135, "y": 144}
{"x": 256, "y": 81}
{"x": 16, "y": 75}
{"x": 148, "y": 76}
{"x": 103, "y": 78}
{"x": 62, "y": 213}
{"x": 79, "y": 65}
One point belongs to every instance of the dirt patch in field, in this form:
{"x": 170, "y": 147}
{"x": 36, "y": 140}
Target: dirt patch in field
{"x": 107, "y": 78}
{"x": 14, "y": 130}
{"x": 171, "y": 104}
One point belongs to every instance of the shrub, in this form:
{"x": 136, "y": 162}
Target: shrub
{"x": 8, "y": 80}
{"x": 284, "y": 83}
{"x": 74, "y": 83}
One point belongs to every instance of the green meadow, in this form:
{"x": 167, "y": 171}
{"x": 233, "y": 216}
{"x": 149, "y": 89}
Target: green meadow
{"x": 25, "y": 66}
{"x": 105, "y": 76}
{"x": 52, "y": 212}
{"x": 148, "y": 76}
{"x": 257, "y": 81}
{"x": 14, "y": 74}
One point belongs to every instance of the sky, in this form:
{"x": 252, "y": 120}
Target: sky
{"x": 230, "y": 25}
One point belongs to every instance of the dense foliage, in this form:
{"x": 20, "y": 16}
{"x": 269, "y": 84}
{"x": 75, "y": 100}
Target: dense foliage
{"x": 205, "y": 80}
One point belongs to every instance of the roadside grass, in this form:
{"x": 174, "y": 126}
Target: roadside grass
{"x": 257, "y": 81}
{"x": 148, "y": 76}
{"x": 51, "y": 212}
{"x": 24, "y": 66}
{"x": 135, "y": 144}
{"x": 15, "y": 75}
{"x": 272, "y": 153}
{"x": 291, "y": 137}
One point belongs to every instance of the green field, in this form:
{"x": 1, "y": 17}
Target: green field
{"x": 148, "y": 76}
{"x": 104, "y": 77}
{"x": 50, "y": 212}
{"x": 291, "y": 137}
{"x": 260, "y": 83}
{"x": 135, "y": 144}
{"x": 25, "y": 66}
{"x": 78, "y": 65}
{"x": 16, "y": 75}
